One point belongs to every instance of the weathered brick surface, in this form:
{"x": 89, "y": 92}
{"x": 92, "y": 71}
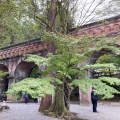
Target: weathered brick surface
{"x": 22, "y": 48}
{"x": 98, "y": 28}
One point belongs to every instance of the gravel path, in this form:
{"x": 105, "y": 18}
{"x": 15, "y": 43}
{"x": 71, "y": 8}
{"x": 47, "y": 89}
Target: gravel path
{"x": 107, "y": 111}
{"x": 21, "y": 111}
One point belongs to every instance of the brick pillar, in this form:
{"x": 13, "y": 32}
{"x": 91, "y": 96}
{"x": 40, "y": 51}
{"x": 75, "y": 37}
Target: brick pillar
{"x": 85, "y": 99}
{"x": 11, "y": 98}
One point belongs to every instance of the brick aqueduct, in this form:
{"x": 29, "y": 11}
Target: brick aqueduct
{"x": 13, "y": 59}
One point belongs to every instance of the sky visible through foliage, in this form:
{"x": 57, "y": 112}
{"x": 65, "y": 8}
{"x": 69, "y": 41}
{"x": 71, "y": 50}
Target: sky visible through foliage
{"x": 94, "y": 10}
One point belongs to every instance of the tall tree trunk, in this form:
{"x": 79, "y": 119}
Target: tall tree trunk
{"x": 45, "y": 103}
{"x": 47, "y": 100}
{"x": 67, "y": 96}
{"x": 52, "y": 15}
{"x": 52, "y": 22}
{"x": 58, "y": 107}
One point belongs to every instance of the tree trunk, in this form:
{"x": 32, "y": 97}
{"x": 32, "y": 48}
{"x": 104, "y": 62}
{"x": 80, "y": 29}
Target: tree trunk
{"x": 58, "y": 107}
{"x": 67, "y": 96}
{"x": 45, "y": 103}
{"x": 52, "y": 15}
{"x": 52, "y": 22}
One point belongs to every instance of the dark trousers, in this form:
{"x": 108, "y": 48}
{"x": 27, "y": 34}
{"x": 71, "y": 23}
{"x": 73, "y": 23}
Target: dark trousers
{"x": 26, "y": 100}
{"x": 94, "y": 106}
{"x": 35, "y": 100}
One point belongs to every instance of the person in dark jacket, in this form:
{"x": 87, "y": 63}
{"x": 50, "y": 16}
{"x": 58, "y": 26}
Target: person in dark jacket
{"x": 94, "y": 99}
{"x": 26, "y": 97}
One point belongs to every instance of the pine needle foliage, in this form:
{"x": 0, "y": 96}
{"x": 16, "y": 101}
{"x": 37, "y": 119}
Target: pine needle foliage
{"x": 100, "y": 84}
{"x": 108, "y": 65}
{"x": 36, "y": 87}
{"x": 36, "y": 59}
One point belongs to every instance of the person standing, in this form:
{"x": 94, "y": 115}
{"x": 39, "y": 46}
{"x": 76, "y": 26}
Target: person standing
{"x": 26, "y": 97}
{"x": 94, "y": 99}
{"x": 35, "y": 100}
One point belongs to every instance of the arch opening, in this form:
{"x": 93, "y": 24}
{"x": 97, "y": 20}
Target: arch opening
{"x": 103, "y": 57}
{"x": 23, "y": 70}
{"x": 4, "y": 82}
